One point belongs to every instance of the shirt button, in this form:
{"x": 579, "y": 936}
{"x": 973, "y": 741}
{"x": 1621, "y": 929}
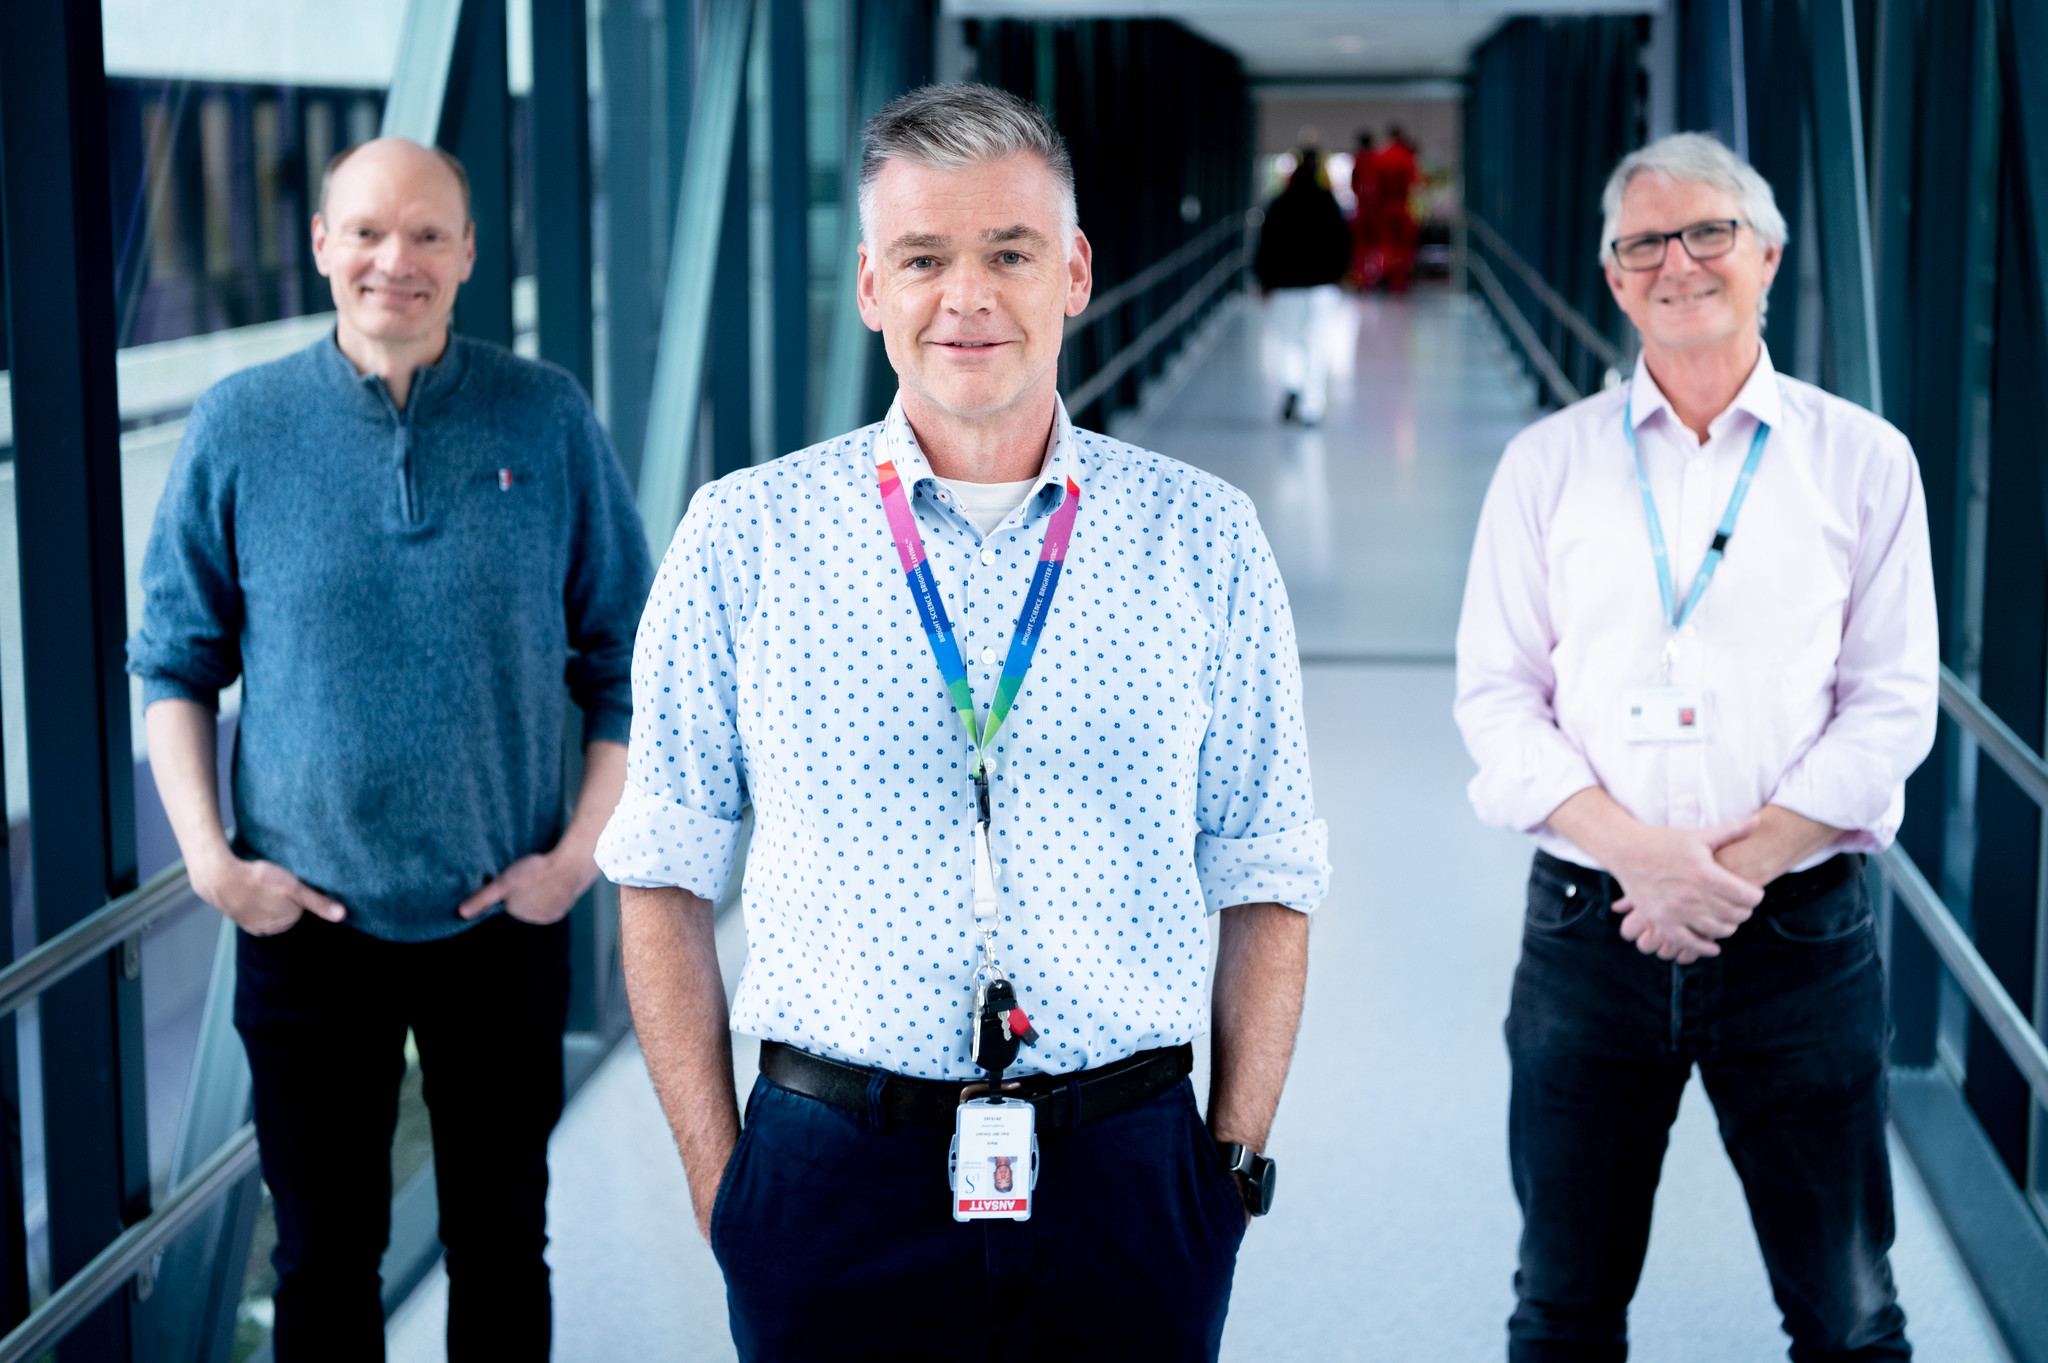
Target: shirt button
{"x": 988, "y": 657}
{"x": 988, "y": 557}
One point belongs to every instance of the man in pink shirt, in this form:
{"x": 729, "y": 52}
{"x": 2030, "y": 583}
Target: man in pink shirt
{"x": 1697, "y": 662}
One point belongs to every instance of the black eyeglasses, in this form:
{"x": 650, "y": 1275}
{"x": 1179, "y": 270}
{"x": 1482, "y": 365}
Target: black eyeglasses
{"x": 1701, "y": 240}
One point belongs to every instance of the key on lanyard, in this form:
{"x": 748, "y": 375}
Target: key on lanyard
{"x": 1000, "y": 1024}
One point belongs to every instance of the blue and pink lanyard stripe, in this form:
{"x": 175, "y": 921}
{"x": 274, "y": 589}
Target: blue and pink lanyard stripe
{"x": 931, "y": 610}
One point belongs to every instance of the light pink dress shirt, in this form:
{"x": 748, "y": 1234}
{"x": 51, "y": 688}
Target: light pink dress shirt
{"x": 1815, "y": 646}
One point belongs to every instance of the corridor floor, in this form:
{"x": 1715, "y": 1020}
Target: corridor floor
{"x": 1394, "y": 1234}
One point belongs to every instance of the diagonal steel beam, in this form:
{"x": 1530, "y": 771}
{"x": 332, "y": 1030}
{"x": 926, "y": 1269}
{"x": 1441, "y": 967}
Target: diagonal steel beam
{"x": 419, "y": 84}
{"x": 668, "y": 464}
{"x": 1843, "y": 191}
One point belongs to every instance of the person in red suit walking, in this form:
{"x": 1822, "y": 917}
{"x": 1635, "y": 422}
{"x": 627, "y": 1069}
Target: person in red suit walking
{"x": 1365, "y": 214}
{"x": 1394, "y": 173}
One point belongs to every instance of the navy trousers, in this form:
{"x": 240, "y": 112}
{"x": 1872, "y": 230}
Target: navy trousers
{"x": 837, "y": 1240}
{"x": 1789, "y": 1030}
{"x": 323, "y": 1011}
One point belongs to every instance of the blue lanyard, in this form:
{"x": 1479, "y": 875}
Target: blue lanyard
{"x": 1718, "y": 548}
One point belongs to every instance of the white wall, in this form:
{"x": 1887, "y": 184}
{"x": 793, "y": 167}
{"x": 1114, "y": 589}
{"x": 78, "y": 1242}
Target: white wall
{"x": 294, "y": 42}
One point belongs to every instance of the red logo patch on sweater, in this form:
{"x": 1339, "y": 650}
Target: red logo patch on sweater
{"x": 504, "y": 480}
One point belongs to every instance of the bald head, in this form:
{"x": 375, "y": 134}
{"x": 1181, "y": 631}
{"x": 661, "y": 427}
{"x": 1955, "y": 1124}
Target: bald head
{"x": 401, "y": 157}
{"x": 395, "y": 240}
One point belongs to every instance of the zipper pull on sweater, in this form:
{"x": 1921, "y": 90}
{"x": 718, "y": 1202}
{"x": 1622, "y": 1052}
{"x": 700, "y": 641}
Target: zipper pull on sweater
{"x": 401, "y": 461}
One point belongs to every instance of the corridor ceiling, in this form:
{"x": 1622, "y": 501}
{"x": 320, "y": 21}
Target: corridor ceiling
{"x": 1322, "y": 40}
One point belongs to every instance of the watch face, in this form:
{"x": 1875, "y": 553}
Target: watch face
{"x": 1268, "y": 1177}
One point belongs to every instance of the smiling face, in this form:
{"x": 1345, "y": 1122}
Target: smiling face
{"x": 1687, "y": 304}
{"x": 966, "y": 277}
{"x": 395, "y": 242}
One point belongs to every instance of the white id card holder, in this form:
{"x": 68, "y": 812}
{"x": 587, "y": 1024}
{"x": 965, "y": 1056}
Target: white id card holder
{"x": 994, "y": 1160}
{"x": 1663, "y": 714}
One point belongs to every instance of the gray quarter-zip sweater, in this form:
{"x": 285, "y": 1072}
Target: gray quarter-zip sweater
{"x": 404, "y": 595}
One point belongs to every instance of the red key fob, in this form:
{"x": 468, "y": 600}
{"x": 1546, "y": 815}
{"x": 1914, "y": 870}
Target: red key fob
{"x": 1020, "y": 1027}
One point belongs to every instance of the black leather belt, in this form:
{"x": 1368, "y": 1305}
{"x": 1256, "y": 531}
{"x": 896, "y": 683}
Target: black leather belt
{"x": 1788, "y": 891}
{"x": 1063, "y": 1101}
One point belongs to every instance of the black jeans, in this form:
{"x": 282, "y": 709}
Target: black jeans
{"x": 323, "y": 1011}
{"x": 838, "y": 1242}
{"x": 1789, "y": 1030}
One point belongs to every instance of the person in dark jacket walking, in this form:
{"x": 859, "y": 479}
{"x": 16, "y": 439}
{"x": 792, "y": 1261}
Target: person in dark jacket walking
{"x": 403, "y": 542}
{"x": 1304, "y": 249}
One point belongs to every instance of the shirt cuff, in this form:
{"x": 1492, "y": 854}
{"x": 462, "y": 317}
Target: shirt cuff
{"x": 607, "y": 724}
{"x": 1838, "y": 786}
{"x": 156, "y": 686}
{"x": 1523, "y": 789}
{"x": 1289, "y": 868}
{"x": 655, "y": 843}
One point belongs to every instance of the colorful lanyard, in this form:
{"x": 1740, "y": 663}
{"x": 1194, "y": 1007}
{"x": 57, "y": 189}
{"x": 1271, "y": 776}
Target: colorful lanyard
{"x": 924, "y": 589}
{"x": 931, "y": 612}
{"x": 1718, "y": 548}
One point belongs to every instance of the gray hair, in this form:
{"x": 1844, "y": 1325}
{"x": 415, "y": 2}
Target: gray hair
{"x": 951, "y": 127}
{"x": 1698, "y": 159}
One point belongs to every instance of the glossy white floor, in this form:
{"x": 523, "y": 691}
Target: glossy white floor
{"x": 1394, "y": 1235}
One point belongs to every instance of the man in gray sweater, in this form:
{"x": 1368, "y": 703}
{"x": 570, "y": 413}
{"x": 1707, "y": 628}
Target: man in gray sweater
{"x": 403, "y": 542}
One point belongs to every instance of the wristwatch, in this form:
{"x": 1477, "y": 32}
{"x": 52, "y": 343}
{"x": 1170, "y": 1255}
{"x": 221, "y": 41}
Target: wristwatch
{"x": 1255, "y": 1175}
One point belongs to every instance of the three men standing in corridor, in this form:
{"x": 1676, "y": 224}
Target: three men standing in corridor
{"x": 1014, "y": 707}
{"x": 1697, "y": 661}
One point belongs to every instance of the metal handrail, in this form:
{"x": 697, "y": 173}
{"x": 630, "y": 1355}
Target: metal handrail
{"x": 1589, "y": 335}
{"x": 1524, "y": 334}
{"x": 2022, "y": 1043}
{"x": 132, "y": 1250}
{"x": 1159, "y": 269}
{"x": 1150, "y": 338}
{"x": 98, "y": 931}
{"x": 1995, "y": 737}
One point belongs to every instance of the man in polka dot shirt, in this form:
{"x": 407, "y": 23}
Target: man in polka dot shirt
{"x": 1152, "y": 770}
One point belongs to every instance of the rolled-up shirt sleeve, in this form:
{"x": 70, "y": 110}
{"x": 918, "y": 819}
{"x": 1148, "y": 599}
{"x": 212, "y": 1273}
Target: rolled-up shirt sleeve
{"x": 608, "y": 572}
{"x": 189, "y": 646}
{"x": 1259, "y": 840}
{"x": 1887, "y": 692}
{"x": 1506, "y": 683}
{"x": 678, "y": 820}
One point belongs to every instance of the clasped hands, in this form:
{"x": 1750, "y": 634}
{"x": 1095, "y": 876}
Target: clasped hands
{"x": 1684, "y": 889}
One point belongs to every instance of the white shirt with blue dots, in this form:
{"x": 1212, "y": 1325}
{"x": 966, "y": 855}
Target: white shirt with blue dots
{"x": 1153, "y": 769}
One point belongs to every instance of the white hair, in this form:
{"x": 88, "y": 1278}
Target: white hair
{"x": 1696, "y": 159}
{"x": 953, "y": 126}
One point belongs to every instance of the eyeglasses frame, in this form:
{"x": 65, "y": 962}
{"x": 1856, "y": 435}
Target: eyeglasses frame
{"x": 1614, "y": 247}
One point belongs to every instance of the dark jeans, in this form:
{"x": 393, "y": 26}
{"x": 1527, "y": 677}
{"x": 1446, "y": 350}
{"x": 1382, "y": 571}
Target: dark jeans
{"x": 838, "y": 1242}
{"x": 1789, "y": 1030}
{"x": 323, "y": 1011}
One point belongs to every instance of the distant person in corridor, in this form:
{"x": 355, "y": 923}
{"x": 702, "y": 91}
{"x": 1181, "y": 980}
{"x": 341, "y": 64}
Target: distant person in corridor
{"x": 1697, "y": 662}
{"x": 1304, "y": 249}
{"x": 1365, "y": 213}
{"x": 1394, "y": 173}
{"x": 402, "y": 542}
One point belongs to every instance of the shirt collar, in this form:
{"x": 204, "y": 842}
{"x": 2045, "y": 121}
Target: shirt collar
{"x": 429, "y": 382}
{"x": 1760, "y": 395}
{"x": 899, "y": 445}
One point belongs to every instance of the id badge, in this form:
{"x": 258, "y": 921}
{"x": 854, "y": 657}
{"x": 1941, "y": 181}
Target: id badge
{"x": 995, "y": 1160}
{"x": 1663, "y": 714}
